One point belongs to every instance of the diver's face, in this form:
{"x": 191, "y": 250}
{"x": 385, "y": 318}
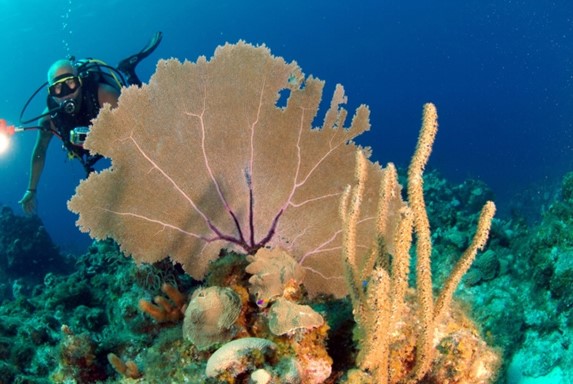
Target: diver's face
{"x": 64, "y": 85}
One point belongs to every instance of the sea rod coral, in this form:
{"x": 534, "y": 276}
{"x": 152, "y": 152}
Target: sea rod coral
{"x": 204, "y": 157}
{"x": 403, "y": 335}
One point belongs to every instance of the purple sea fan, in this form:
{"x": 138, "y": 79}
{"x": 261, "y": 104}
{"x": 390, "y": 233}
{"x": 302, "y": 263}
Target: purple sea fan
{"x": 204, "y": 159}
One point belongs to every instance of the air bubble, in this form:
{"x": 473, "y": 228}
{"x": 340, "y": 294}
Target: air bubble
{"x": 66, "y": 30}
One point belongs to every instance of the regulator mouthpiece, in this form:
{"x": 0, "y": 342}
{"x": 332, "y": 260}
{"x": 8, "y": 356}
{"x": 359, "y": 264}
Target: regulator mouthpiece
{"x": 69, "y": 106}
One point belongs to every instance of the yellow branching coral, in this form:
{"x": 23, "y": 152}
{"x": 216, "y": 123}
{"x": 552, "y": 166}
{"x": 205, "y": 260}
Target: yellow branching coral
{"x": 424, "y": 239}
{"x": 396, "y": 330}
{"x": 204, "y": 157}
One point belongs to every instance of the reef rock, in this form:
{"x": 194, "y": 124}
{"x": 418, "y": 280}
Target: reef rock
{"x": 26, "y": 249}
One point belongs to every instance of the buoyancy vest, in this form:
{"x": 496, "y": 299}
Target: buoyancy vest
{"x": 64, "y": 122}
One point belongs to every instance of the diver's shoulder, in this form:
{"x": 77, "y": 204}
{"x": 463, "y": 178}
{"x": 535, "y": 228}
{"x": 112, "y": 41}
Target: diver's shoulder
{"x": 107, "y": 94}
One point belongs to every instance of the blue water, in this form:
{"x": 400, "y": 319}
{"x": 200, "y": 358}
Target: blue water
{"x": 500, "y": 73}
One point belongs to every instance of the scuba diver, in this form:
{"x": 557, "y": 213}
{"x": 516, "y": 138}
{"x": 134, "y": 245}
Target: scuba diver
{"x": 76, "y": 92}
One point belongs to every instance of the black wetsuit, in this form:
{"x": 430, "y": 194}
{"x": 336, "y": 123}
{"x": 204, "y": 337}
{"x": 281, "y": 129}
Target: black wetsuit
{"x": 66, "y": 122}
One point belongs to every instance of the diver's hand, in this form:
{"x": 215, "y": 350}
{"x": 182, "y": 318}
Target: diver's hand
{"x": 28, "y": 202}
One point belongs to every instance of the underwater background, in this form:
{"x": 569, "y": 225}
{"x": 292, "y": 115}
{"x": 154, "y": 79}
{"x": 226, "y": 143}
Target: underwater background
{"x": 499, "y": 72}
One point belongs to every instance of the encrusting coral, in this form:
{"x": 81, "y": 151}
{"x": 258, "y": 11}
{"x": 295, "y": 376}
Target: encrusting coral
{"x": 77, "y": 359}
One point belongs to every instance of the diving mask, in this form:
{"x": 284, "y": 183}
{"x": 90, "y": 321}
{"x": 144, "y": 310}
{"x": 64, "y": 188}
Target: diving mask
{"x": 64, "y": 85}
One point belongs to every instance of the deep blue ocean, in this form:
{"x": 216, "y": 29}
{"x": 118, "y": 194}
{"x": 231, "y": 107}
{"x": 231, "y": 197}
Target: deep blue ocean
{"x": 500, "y": 73}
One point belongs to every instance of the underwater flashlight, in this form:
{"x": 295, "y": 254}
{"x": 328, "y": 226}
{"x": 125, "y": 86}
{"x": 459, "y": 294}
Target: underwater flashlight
{"x": 4, "y": 143}
{"x": 6, "y": 129}
{"x": 6, "y": 132}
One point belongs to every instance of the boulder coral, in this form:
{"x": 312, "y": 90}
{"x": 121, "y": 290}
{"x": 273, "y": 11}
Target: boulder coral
{"x": 236, "y": 356}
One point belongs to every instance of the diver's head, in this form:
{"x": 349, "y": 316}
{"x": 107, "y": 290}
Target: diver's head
{"x": 64, "y": 85}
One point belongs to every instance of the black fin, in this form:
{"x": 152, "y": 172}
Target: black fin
{"x": 128, "y": 65}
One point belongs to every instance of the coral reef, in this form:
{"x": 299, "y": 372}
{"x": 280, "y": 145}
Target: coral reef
{"x": 31, "y": 338}
{"x": 274, "y": 312}
{"x": 285, "y": 317}
{"x": 24, "y": 243}
{"x": 62, "y": 329}
{"x": 296, "y": 214}
{"x": 545, "y": 295}
{"x": 78, "y": 361}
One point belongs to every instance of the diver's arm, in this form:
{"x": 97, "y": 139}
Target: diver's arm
{"x": 44, "y": 136}
{"x": 39, "y": 157}
{"x": 107, "y": 94}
